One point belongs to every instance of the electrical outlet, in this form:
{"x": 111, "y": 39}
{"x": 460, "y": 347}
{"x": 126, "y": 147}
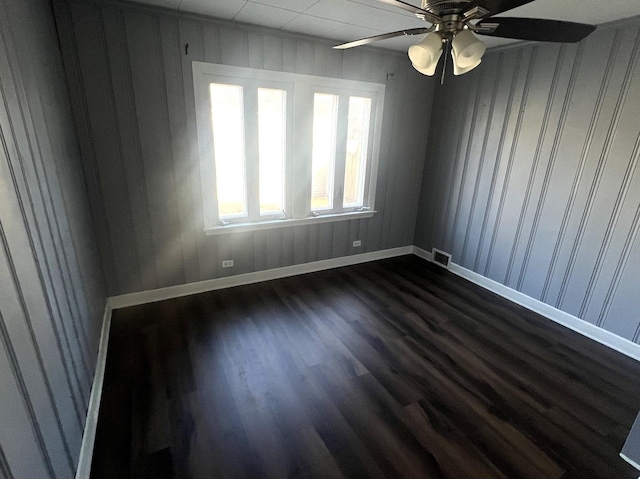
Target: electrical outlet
{"x": 227, "y": 263}
{"x": 357, "y": 243}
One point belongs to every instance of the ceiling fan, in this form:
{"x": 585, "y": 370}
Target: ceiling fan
{"x": 454, "y": 24}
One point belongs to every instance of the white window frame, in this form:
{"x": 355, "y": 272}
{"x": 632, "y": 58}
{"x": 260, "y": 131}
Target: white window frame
{"x": 300, "y": 91}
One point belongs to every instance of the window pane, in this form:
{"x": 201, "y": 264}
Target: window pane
{"x": 228, "y": 140}
{"x": 325, "y": 116}
{"x": 272, "y": 149}
{"x": 357, "y": 144}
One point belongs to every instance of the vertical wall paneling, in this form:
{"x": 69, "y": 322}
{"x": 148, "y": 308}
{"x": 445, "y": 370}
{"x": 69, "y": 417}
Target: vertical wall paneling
{"x": 104, "y": 131}
{"x": 553, "y": 156}
{"x": 590, "y": 106}
{"x": 256, "y": 52}
{"x": 411, "y": 151}
{"x": 50, "y": 191}
{"x": 287, "y": 246}
{"x": 18, "y": 429}
{"x": 176, "y": 112}
{"x": 429, "y": 189}
{"x": 259, "y": 250}
{"x": 459, "y": 132}
{"x": 468, "y": 165}
{"x": 497, "y": 148}
{"x": 546, "y": 122}
{"x": 192, "y": 48}
{"x": 396, "y": 150}
{"x": 598, "y": 209}
{"x": 89, "y": 165}
{"x": 511, "y": 148}
{"x": 242, "y": 252}
{"x": 37, "y": 348}
{"x": 552, "y": 208}
{"x": 624, "y": 259}
{"x": 272, "y": 52}
{"x": 146, "y": 151}
{"x": 17, "y": 330}
{"x": 304, "y": 58}
{"x": 223, "y": 249}
{"x": 273, "y": 247}
{"x": 544, "y": 71}
{"x": 5, "y": 471}
{"x": 24, "y": 159}
{"x": 626, "y": 130}
{"x": 133, "y": 172}
{"x": 481, "y": 155}
{"x": 387, "y": 68}
{"x": 150, "y": 98}
{"x": 300, "y": 244}
{"x": 51, "y": 280}
{"x": 340, "y": 245}
{"x": 72, "y": 354}
{"x": 313, "y": 242}
{"x": 623, "y": 295}
{"x": 210, "y": 38}
{"x": 319, "y": 60}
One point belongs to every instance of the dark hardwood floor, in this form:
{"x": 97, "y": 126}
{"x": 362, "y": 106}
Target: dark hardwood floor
{"x": 394, "y": 369}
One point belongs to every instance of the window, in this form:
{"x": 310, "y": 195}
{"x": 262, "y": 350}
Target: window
{"x": 280, "y": 149}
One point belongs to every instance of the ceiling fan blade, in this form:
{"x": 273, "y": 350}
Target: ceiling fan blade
{"x": 495, "y": 6}
{"x": 534, "y": 29}
{"x": 429, "y": 17}
{"x": 384, "y": 36}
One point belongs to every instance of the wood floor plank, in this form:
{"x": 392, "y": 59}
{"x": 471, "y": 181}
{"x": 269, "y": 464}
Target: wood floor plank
{"x": 596, "y": 408}
{"x": 568, "y": 364}
{"x": 389, "y": 369}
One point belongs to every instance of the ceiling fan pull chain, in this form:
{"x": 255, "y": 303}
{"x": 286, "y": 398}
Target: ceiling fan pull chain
{"x": 444, "y": 62}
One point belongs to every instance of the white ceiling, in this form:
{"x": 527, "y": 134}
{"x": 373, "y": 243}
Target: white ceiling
{"x": 345, "y": 20}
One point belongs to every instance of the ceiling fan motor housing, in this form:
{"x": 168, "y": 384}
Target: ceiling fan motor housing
{"x": 451, "y": 24}
{"x": 439, "y": 7}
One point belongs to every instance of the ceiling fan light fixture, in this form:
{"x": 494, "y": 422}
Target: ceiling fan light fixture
{"x": 461, "y": 71}
{"x": 428, "y": 71}
{"x": 467, "y": 50}
{"x": 425, "y": 54}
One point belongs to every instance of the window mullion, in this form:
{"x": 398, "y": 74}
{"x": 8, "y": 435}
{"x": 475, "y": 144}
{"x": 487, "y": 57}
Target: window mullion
{"x": 300, "y": 162}
{"x": 341, "y": 152}
{"x": 369, "y": 159}
{"x": 252, "y": 151}
{"x": 291, "y": 153}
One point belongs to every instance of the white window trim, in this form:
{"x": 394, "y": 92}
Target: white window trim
{"x": 300, "y": 89}
{"x": 274, "y": 224}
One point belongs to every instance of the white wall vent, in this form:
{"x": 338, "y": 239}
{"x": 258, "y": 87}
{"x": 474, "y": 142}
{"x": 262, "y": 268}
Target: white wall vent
{"x": 440, "y": 258}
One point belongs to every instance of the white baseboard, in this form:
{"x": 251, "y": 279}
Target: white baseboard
{"x": 424, "y": 254}
{"x": 91, "y": 424}
{"x": 134, "y": 299}
{"x": 574, "y": 323}
{"x": 630, "y": 461}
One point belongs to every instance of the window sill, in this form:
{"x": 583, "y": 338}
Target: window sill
{"x": 274, "y": 224}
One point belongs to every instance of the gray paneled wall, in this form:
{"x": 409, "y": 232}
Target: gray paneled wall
{"x": 134, "y": 108}
{"x": 51, "y": 286}
{"x": 532, "y": 175}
